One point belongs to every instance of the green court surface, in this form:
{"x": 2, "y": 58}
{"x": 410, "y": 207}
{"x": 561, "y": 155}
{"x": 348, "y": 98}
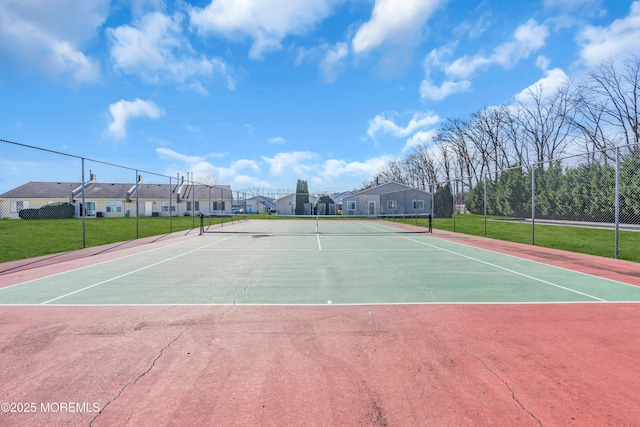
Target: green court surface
{"x": 304, "y": 262}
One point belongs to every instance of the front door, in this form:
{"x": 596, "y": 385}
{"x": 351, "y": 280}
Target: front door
{"x": 372, "y": 208}
{"x": 91, "y": 209}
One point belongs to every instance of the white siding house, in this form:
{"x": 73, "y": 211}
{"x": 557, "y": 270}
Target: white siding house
{"x": 118, "y": 199}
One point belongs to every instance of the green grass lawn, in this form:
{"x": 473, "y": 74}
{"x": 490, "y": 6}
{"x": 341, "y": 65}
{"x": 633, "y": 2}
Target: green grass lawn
{"x": 591, "y": 241}
{"x": 20, "y": 239}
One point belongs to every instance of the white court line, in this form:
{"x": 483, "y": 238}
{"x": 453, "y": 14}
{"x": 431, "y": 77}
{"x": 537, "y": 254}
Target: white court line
{"x": 318, "y": 239}
{"x": 84, "y": 267}
{"x": 133, "y": 272}
{"x": 546, "y": 282}
{"x": 325, "y": 304}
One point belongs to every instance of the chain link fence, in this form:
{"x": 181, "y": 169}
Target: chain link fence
{"x": 68, "y": 202}
{"x": 597, "y": 190}
{"x": 52, "y": 202}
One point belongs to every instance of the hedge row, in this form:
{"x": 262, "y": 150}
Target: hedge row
{"x": 52, "y": 211}
{"x": 585, "y": 192}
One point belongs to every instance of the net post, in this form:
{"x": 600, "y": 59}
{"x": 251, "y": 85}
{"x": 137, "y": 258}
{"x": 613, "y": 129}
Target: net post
{"x": 201, "y": 223}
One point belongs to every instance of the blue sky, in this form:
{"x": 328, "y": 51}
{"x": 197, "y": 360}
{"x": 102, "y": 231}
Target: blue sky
{"x": 260, "y": 93}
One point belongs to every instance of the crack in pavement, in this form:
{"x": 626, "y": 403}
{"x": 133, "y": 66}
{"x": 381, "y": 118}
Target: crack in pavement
{"x": 132, "y": 383}
{"x": 513, "y": 395}
{"x": 243, "y": 291}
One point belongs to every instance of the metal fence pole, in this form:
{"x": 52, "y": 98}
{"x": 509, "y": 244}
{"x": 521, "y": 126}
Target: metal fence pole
{"x": 84, "y": 210}
{"x": 170, "y": 213}
{"x": 137, "y": 208}
{"x": 484, "y": 178}
{"x": 533, "y": 205}
{"x": 454, "y": 196}
{"x": 617, "y": 212}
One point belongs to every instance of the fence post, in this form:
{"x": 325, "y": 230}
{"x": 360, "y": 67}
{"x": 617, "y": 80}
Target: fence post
{"x": 84, "y": 210}
{"x": 454, "y": 196}
{"x": 617, "y": 214}
{"x": 484, "y": 178}
{"x": 137, "y": 211}
{"x": 533, "y": 205}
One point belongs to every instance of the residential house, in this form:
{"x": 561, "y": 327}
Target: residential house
{"x": 259, "y": 204}
{"x": 287, "y": 205}
{"x": 388, "y": 199}
{"x": 119, "y": 199}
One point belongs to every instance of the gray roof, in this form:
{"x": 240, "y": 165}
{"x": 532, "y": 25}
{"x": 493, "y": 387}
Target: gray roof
{"x": 41, "y": 190}
{"x": 337, "y": 197}
{"x": 266, "y": 201}
{"x": 99, "y": 190}
{"x": 387, "y": 187}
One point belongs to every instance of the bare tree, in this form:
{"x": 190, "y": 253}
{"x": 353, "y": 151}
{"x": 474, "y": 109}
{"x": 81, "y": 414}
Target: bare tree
{"x": 454, "y": 134}
{"x": 618, "y": 89}
{"x": 589, "y": 121}
{"x": 545, "y": 122}
{"x": 420, "y": 167}
{"x": 392, "y": 171}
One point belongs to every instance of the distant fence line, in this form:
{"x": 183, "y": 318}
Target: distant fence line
{"x": 37, "y": 183}
{"x": 597, "y": 189}
{"x": 593, "y": 189}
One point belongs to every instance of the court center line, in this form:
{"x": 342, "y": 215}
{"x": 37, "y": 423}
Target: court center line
{"x": 318, "y": 239}
{"x": 508, "y": 270}
{"x": 132, "y": 272}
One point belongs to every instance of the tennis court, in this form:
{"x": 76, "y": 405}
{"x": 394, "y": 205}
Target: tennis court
{"x": 329, "y": 322}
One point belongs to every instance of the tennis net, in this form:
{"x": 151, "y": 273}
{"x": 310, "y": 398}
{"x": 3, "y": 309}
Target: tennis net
{"x": 323, "y": 225}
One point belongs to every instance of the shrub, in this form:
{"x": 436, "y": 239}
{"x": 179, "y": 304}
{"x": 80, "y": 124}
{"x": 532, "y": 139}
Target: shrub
{"x": 28, "y": 214}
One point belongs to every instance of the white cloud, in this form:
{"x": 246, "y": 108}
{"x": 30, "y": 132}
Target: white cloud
{"x": 542, "y": 62}
{"x": 296, "y": 162}
{"x": 276, "y": 140}
{"x": 332, "y": 62}
{"x": 419, "y": 138}
{"x": 196, "y": 164}
{"x": 46, "y": 36}
{"x": 202, "y": 169}
{"x": 334, "y": 168}
{"x": 330, "y": 59}
{"x": 430, "y": 91}
{"x": 621, "y": 37}
{"x": 464, "y": 67}
{"x": 393, "y": 21}
{"x": 284, "y": 168}
{"x": 267, "y": 22}
{"x": 245, "y": 164}
{"x": 567, "y": 6}
{"x": 527, "y": 39}
{"x": 123, "y": 110}
{"x": 546, "y": 87}
{"x": 156, "y": 50}
{"x": 382, "y": 125}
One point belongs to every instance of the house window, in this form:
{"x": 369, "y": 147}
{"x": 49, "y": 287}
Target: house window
{"x": 351, "y": 205}
{"x": 114, "y": 207}
{"x": 196, "y": 204}
{"x": 166, "y": 207}
{"x": 218, "y": 206}
{"x": 18, "y": 206}
{"x": 417, "y": 205}
{"x": 392, "y": 204}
